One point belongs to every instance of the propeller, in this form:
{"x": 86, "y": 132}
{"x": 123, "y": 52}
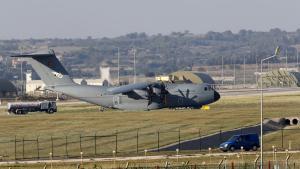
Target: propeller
{"x": 187, "y": 94}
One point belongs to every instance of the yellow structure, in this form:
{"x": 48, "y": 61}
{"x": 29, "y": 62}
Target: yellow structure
{"x": 281, "y": 78}
{"x": 186, "y": 76}
{"x": 191, "y": 76}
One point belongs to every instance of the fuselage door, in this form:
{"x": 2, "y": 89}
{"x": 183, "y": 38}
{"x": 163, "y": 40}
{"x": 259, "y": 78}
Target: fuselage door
{"x": 117, "y": 100}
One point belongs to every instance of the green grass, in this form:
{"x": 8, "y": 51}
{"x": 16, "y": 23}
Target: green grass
{"x": 73, "y": 120}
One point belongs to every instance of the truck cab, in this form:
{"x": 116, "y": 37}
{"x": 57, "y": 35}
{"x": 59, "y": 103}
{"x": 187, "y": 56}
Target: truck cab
{"x": 237, "y": 142}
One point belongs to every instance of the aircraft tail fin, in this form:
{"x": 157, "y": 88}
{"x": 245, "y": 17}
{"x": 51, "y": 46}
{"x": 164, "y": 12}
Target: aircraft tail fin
{"x": 49, "y": 68}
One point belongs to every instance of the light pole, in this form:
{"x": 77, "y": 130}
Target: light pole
{"x": 118, "y": 66}
{"x": 244, "y": 72}
{"x": 222, "y": 70}
{"x": 286, "y": 59}
{"x": 134, "y": 66}
{"x": 261, "y": 105}
{"x": 297, "y": 54}
{"x": 234, "y": 74}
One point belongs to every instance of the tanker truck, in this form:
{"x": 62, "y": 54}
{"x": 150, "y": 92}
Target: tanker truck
{"x": 25, "y": 107}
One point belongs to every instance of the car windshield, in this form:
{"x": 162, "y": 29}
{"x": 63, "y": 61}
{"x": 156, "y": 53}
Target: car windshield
{"x": 233, "y": 138}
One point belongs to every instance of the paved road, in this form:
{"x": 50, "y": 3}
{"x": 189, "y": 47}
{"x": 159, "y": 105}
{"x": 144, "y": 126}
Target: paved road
{"x": 214, "y": 140}
{"x": 244, "y": 92}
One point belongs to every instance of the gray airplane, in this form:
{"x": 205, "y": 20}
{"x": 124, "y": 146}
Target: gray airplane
{"x": 137, "y": 96}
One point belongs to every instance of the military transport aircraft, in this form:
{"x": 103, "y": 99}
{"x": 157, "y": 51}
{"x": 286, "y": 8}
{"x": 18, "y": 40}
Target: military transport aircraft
{"x": 137, "y": 96}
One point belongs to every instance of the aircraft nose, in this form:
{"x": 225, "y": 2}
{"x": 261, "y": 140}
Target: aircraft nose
{"x": 216, "y": 96}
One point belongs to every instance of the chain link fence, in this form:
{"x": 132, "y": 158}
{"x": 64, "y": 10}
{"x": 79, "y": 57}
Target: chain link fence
{"x": 133, "y": 142}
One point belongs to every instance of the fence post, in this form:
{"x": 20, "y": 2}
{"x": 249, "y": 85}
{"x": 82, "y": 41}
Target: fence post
{"x": 281, "y": 137}
{"x": 116, "y": 148}
{"x": 158, "y": 146}
{"x": 80, "y": 143}
{"x": 137, "y": 141}
{"x": 287, "y": 161}
{"x": 52, "y": 146}
{"x": 67, "y": 153}
{"x": 200, "y": 140}
{"x": 15, "y": 147}
{"x": 23, "y": 148}
{"x": 95, "y": 144}
{"x": 179, "y": 139}
{"x": 38, "y": 147}
{"x": 220, "y": 136}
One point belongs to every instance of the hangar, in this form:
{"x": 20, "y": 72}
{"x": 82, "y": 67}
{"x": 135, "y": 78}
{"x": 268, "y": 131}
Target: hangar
{"x": 7, "y": 89}
{"x": 281, "y": 78}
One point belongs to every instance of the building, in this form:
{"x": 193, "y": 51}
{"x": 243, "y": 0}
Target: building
{"x": 7, "y": 89}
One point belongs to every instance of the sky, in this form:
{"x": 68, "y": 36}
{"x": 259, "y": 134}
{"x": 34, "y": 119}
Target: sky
{"x": 21, "y": 19}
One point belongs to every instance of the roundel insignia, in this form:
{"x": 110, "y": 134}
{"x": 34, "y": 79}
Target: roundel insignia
{"x": 59, "y": 75}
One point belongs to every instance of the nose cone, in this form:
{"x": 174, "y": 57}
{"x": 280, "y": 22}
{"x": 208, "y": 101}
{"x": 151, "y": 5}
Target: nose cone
{"x": 216, "y": 96}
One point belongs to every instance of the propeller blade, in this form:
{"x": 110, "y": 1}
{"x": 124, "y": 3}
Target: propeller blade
{"x": 187, "y": 93}
{"x": 181, "y": 92}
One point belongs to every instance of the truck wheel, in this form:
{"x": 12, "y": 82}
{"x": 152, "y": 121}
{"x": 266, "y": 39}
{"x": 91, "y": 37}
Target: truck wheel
{"x": 50, "y": 111}
{"x": 19, "y": 112}
{"x": 232, "y": 148}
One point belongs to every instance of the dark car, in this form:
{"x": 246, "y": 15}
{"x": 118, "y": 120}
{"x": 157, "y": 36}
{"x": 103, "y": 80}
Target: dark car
{"x": 247, "y": 141}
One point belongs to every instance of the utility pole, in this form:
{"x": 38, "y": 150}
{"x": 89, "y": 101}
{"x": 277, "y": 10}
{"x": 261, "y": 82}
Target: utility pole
{"x": 256, "y": 75}
{"x": 244, "y": 72}
{"x": 222, "y": 70}
{"x": 286, "y": 60}
{"x": 22, "y": 82}
{"x": 134, "y": 72}
{"x": 118, "y": 67}
{"x": 297, "y": 59}
{"x": 234, "y": 73}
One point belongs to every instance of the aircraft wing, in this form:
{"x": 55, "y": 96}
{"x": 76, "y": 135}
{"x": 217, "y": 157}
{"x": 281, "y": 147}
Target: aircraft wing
{"x": 128, "y": 88}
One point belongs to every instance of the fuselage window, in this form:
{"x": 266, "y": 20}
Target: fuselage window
{"x": 205, "y": 88}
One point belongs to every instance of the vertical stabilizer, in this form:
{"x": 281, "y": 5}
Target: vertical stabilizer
{"x": 48, "y": 67}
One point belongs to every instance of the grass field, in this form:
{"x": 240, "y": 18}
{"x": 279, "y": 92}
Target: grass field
{"x": 75, "y": 119}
